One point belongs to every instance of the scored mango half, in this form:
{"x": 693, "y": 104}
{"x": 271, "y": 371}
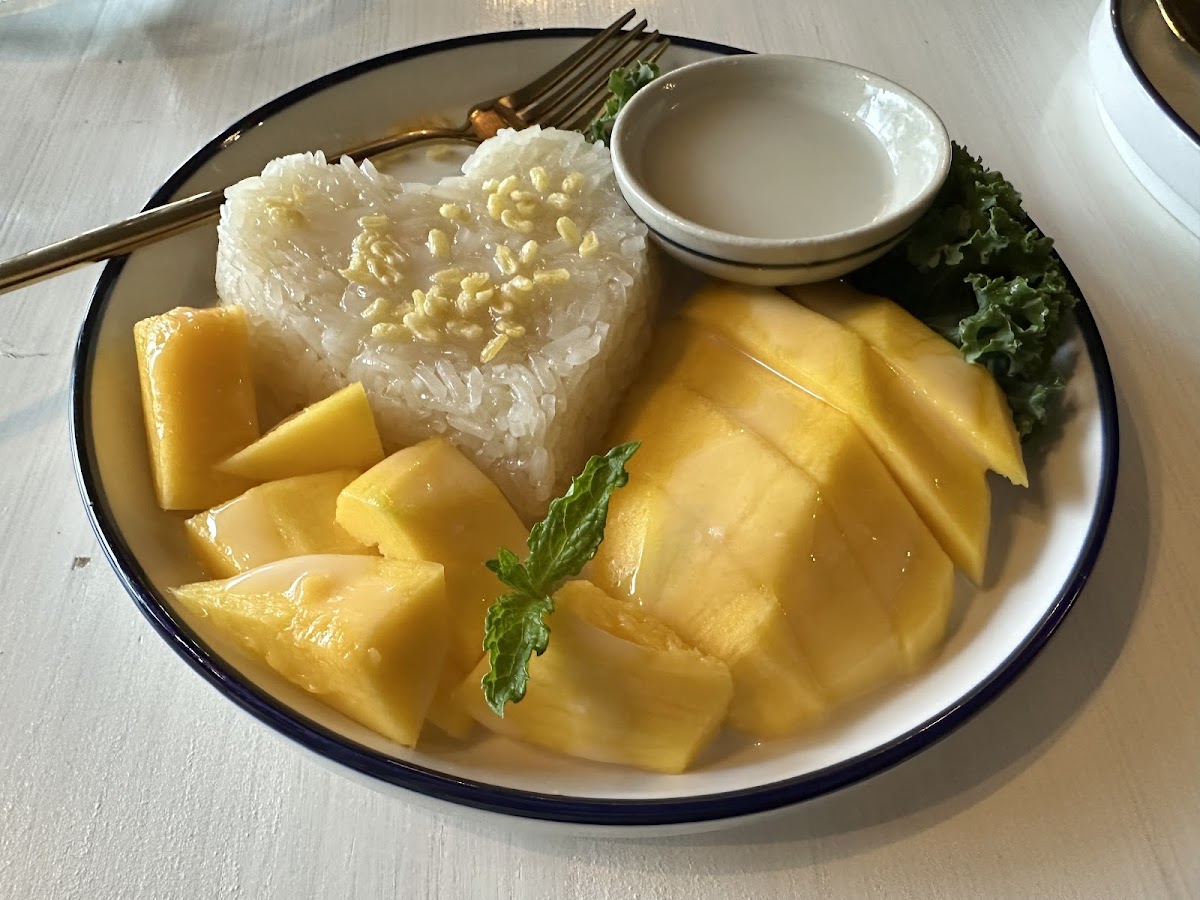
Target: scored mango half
{"x": 947, "y": 487}
{"x": 909, "y": 571}
{"x": 666, "y": 563}
{"x": 772, "y": 519}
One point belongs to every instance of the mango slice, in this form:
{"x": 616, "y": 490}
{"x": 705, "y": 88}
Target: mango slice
{"x": 335, "y": 433}
{"x": 430, "y": 502}
{"x": 656, "y": 556}
{"x": 366, "y": 635}
{"x": 614, "y": 685}
{"x": 276, "y": 520}
{"x": 963, "y": 395}
{"x": 445, "y": 712}
{"x": 197, "y": 400}
{"x": 946, "y": 486}
{"x": 909, "y": 571}
{"x": 774, "y": 522}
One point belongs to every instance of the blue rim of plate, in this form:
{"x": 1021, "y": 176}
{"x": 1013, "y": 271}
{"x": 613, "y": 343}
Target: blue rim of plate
{"x": 1118, "y": 27}
{"x": 483, "y": 796}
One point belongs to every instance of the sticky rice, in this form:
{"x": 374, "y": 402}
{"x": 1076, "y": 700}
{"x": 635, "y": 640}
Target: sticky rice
{"x": 325, "y": 260}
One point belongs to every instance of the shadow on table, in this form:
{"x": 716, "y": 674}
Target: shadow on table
{"x": 166, "y": 29}
{"x": 35, "y": 414}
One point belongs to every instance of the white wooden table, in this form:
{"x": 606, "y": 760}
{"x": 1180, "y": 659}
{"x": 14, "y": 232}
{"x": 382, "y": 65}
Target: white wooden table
{"x": 122, "y": 774}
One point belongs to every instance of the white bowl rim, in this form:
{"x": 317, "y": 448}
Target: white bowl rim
{"x": 1116, "y": 22}
{"x": 877, "y": 231}
{"x": 617, "y": 813}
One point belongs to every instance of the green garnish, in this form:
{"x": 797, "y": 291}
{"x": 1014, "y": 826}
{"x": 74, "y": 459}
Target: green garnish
{"x": 623, "y": 83}
{"x": 559, "y": 547}
{"x": 976, "y": 269}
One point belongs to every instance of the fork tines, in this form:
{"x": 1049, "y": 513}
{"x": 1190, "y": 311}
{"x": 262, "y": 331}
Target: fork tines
{"x": 570, "y": 94}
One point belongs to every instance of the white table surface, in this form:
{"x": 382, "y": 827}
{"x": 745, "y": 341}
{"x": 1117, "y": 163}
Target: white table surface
{"x": 122, "y": 774}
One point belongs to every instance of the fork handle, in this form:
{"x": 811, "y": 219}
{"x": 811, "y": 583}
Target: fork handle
{"x": 109, "y": 240}
{"x": 164, "y": 221}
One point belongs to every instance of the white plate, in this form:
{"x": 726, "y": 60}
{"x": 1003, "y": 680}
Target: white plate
{"x": 1045, "y": 539}
{"x": 1147, "y": 86}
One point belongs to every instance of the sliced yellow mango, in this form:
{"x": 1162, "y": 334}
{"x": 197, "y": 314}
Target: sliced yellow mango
{"x": 613, "y": 686}
{"x": 430, "y": 502}
{"x": 276, "y": 520}
{"x": 335, "y": 433}
{"x": 197, "y": 400}
{"x": 366, "y": 635}
{"x": 774, "y": 522}
{"x": 894, "y": 549}
{"x": 963, "y": 395}
{"x": 445, "y": 711}
{"x": 947, "y": 487}
{"x": 656, "y": 556}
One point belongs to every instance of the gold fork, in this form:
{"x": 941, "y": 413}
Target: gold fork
{"x": 567, "y": 96}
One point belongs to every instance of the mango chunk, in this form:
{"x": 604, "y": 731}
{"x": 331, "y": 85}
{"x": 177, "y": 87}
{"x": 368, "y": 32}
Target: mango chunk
{"x": 197, "y": 400}
{"x": 909, "y": 571}
{"x": 335, "y": 433}
{"x": 964, "y": 396}
{"x": 276, "y": 520}
{"x": 366, "y": 635}
{"x": 445, "y": 712}
{"x": 430, "y": 502}
{"x": 656, "y": 556}
{"x": 774, "y": 522}
{"x": 946, "y": 486}
{"x": 614, "y": 685}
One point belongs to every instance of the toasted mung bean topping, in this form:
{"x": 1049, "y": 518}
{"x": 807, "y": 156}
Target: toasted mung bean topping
{"x": 567, "y": 229}
{"x": 494, "y": 346}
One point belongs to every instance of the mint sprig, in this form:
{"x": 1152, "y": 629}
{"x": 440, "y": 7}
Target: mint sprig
{"x": 559, "y": 547}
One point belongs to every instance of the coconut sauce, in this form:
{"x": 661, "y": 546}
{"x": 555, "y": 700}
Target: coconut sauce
{"x": 767, "y": 167}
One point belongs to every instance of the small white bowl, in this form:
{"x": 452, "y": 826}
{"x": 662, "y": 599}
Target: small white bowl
{"x": 778, "y": 169}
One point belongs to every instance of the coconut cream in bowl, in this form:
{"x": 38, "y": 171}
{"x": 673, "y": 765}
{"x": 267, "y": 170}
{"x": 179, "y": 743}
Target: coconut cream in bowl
{"x": 778, "y": 169}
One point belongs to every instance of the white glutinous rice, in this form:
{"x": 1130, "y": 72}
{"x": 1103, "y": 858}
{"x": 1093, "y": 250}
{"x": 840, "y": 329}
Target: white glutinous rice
{"x": 326, "y": 258}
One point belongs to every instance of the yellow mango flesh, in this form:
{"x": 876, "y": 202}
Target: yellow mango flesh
{"x": 656, "y": 556}
{"x": 613, "y": 686}
{"x": 964, "y": 396}
{"x": 900, "y": 558}
{"x": 445, "y": 711}
{"x": 366, "y": 635}
{"x": 430, "y": 502}
{"x": 773, "y": 520}
{"x": 197, "y": 401}
{"x": 335, "y": 433}
{"x": 947, "y": 488}
{"x": 276, "y": 520}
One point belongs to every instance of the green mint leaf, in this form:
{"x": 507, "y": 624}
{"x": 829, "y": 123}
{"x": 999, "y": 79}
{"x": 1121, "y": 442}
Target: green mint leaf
{"x": 559, "y": 547}
{"x": 509, "y": 569}
{"x": 514, "y": 630}
{"x": 623, "y": 84}
{"x": 563, "y": 542}
{"x": 978, "y": 271}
